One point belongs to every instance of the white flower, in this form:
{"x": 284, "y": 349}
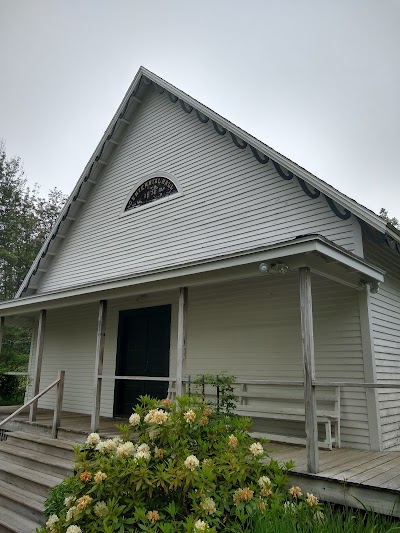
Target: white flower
{"x": 125, "y": 449}
{"x": 156, "y": 416}
{"x": 191, "y": 462}
{"x": 256, "y": 448}
{"x": 109, "y": 445}
{"x": 69, "y": 500}
{"x": 208, "y": 505}
{"x": 200, "y": 525}
{"x": 154, "y": 433}
{"x": 71, "y": 513}
{"x": 264, "y": 482}
{"x": 52, "y": 521}
{"x": 74, "y": 529}
{"x": 134, "y": 419}
{"x": 143, "y": 452}
{"x": 100, "y": 509}
{"x": 93, "y": 439}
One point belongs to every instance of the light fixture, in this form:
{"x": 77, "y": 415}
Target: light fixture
{"x": 263, "y": 268}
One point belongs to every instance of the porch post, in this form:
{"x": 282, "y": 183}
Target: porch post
{"x": 310, "y": 402}
{"x": 181, "y": 349}
{"x": 98, "y": 367}
{"x": 38, "y": 363}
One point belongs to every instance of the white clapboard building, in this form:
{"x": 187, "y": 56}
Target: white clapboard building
{"x": 187, "y": 247}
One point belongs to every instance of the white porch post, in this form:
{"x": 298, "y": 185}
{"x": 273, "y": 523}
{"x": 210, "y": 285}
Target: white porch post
{"x": 98, "y": 368}
{"x": 38, "y": 363}
{"x": 307, "y": 336}
{"x": 181, "y": 349}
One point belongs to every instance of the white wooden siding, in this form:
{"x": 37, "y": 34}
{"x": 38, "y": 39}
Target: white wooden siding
{"x": 385, "y": 316}
{"x": 70, "y": 343}
{"x": 230, "y": 202}
{"x": 250, "y": 328}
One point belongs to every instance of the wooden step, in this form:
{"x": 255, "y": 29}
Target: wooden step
{"x": 11, "y": 521}
{"x": 24, "y": 502}
{"x": 26, "y": 478}
{"x": 40, "y": 443}
{"x": 35, "y": 460}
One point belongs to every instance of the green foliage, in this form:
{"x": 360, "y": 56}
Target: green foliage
{"x": 392, "y": 220}
{"x": 333, "y": 520}
{"x": 189, "y": 469}
{"x": 223, "y": 383}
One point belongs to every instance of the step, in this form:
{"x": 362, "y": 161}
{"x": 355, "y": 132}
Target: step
{"x": 25, "y": 478}
{"x": 42, "y": 444}
{"x": 12, "y": 521}
{"x": 25, "y": 503}
{"x": 35, "y": 460}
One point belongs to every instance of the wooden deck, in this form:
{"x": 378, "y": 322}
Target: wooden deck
{"x": 347, "y": 476}
{"x": 71, "y": 423}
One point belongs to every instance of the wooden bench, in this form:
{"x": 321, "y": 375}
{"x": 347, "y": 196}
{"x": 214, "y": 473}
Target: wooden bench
{"x": 288, "y": 404}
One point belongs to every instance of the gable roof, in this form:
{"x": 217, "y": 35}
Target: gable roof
{"x": 342, "y": 205}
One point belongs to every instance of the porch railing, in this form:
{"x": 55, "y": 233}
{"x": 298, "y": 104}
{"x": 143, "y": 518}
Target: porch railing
{"x": 315, "y": 383}
{"x": 59, "y": 383}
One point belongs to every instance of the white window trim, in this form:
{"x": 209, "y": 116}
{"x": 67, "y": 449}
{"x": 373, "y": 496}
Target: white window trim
{"x": 138, "y": 183}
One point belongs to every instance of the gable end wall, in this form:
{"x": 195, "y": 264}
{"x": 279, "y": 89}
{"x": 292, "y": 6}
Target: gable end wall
{"x": 230, "y": 202}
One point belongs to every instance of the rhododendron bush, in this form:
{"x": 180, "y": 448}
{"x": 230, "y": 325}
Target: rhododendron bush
{"x": 177, "y": 467}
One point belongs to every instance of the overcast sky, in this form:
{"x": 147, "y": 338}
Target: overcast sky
{"x": 317, "y": 80}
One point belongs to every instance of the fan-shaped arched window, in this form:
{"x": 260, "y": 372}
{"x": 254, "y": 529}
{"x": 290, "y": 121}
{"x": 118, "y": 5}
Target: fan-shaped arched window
{"x": 153, "y": 188}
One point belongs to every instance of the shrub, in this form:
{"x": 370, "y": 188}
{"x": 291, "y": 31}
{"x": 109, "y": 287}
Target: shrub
{"x": 177, "y": 467}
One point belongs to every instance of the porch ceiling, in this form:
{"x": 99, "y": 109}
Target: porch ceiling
{"x": 322, "y": 256}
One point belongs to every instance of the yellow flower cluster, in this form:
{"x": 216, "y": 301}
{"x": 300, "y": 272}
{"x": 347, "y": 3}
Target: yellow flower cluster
{"x": 295, "y": 492}
{"x": 242, "y": 495}
{"x": 232, "y": 441}
{"x": 83, "y": 502}
{"x": 265, "y": 484}
{"x": 99, "y": 477}
{"x": 153, "y": 516}
{"x": 189, "y": 416}
{"x": 312, "y": 500}
{"x": 85, "y": 476}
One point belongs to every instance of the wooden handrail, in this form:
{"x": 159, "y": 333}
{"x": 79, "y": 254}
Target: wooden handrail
{"x": 59, "y": 383}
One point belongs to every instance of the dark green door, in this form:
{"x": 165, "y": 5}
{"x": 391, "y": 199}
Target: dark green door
{"x": 143, "y": 350}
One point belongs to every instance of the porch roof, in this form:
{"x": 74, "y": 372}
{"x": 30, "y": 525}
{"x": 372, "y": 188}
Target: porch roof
{"x": 321, "y": 255}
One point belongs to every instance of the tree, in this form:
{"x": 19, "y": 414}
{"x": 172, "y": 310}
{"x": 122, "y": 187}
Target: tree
{"x": 392, "y": 220}
{"x": 25, "y": 220}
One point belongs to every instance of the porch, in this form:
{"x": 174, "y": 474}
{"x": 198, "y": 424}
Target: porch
{"x": 257, "y": 320}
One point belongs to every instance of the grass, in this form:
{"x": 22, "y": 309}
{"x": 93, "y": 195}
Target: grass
{"x": 336, "y": 520}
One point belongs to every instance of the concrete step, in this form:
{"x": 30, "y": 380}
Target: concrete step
{"x": 25, "y": 503}
{"x": 26, "y": 478}
{"x": 10, "y": 521}
{"x": 42, "y": 444}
